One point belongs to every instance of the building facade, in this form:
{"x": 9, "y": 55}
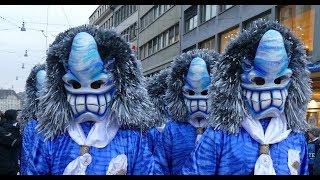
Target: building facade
{"x": 121, "y": 18}
{"x": 159, "y": 36}
{"x": 9, "y": 100}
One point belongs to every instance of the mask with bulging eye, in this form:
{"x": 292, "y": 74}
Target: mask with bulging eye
{"x": 195, "y": 90}
{"x": 40, "y": 79}
{"x": 89, "y": 87}
{"x": 266, "y": 78}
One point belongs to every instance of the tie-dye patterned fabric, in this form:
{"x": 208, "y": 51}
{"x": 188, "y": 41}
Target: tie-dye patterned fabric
{"x": 174, "y": 147}
{"x": 52, "y": 156}
{"x": 28, "y": 138}
{"x": 153, "y": 136}
{"x": 220, "y": 153}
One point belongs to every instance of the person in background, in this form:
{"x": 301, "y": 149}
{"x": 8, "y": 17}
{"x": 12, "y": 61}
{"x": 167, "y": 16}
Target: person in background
{"x": 28, "y": 119}
{"x": 313, "y": 147}
{"x": 10, "y": 143}
{"x": 186, "y": 104}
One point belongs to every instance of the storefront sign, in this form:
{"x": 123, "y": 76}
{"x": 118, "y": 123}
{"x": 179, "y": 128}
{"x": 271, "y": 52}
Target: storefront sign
{"x": 313, "y": 67}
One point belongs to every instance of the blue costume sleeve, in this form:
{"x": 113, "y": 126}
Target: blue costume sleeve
{"x": 163, "y": 152}
{"x": 144, "y": 163}
{"x": 39, "y": 162}
{"x": 204, "y": 160}
{"x": 27, "y": 143}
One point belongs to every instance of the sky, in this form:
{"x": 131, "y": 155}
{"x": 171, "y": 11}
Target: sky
{"x": 42, "y": 24}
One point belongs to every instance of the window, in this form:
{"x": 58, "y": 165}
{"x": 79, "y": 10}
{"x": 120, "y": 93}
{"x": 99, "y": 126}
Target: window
{"x": 191, "y": 18}
{"x": 155, "y": 12}
{"x": 142, "y": 52}
{"x": 300, "y": 19}
{"x": 171, "y": 35}
{"x": 207, "y": 44}
{"x": 207, "y": 12}
{"x": 155, "y": 44}
{"x": 266, "y": 16}
{"x": 225, "y": 7}
{"x": 160, "y": 41}
{"x": 145, "y": 50}
{"x": 150, "y": 48}
{"x": 165, "y": 38}
{"x": 176, "y": 29}
{"x": 227, "y": 36}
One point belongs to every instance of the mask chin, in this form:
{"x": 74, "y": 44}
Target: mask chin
{"x": 199, "y": 115}
{"x": 272, "y": 112}
{"x": 88, "y": 116}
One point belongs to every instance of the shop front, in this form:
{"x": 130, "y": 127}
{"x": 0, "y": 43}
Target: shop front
{"x": 313, "y": 111}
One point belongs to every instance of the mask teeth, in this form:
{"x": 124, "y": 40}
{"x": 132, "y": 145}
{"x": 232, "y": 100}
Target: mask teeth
{"x": 196, "y": 105}
{"x": 261, "y": 100}
{"x": 96, "y": 104}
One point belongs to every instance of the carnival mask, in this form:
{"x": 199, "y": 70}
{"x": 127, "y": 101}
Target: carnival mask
{"x": 40, "y": 78}
{"x": 195, "y": 90}
{"x": 265, "y": 80}
{"x": 89, "y": 86}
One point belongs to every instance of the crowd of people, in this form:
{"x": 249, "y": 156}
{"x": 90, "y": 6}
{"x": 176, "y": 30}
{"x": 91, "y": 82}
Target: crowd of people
{"x": 90, "y": 110}
{"x": 10, "y": 147}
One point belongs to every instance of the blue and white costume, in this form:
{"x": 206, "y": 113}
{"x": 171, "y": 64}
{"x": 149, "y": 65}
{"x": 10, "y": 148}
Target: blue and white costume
{"x": 28, "y": 120}
{"x": 186, "y": 102}
{"x": 96, "y": 108}
{"x": 261, "y": 90}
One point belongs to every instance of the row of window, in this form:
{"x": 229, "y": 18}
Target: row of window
{"x": 299, "y": 18}
{"x": 155, "y": 12}
{"x": 206, "y": 12}
{"x": 130, "y": 33}
{"x": 123, "y": 13}
{"x": 100, "y": 11}
{"x": 161, "y": 41}
{"x": 109, "y": 23}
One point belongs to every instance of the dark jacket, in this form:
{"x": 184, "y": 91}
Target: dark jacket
{"x": 10, "y": 143}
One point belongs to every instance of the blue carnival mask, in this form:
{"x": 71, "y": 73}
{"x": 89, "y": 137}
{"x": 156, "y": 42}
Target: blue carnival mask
{"x": 195, "y": 90}
{"x": 265, "y": 80}
{"x": 89, "y": 88}
{"x": 40, "y": 79}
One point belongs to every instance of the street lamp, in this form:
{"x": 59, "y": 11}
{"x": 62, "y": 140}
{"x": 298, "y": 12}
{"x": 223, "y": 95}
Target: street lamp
{"x": 26, "y": 53}
{"x": 23, "y": 28}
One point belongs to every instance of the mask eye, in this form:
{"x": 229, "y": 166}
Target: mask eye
{"x": 279, "y": 79}
{"x": 258, "y": 81}
{"x": 75, "y": 84}
{"x": 96, "y": 84}
{"x": 205, "y": 92}
{"x": 190, "y": 92}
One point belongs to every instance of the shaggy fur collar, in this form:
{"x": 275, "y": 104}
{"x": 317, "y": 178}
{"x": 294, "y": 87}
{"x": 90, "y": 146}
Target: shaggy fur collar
{"x": 156, "y": 86}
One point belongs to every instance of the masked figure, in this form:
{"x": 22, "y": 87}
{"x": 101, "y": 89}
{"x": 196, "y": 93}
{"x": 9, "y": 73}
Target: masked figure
{"x": 258, "y": 107}
{"x": 156, "y": 86}
{"x": 28, "y": 119}
{"x": 186, "y": 100}
{"x": 96, "y": 108}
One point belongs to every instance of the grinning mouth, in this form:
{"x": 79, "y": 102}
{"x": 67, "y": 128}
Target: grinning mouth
{"x": 196, "y": 105}
{"x": 96, "y": 104}
{"x": 261, "y": 100}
